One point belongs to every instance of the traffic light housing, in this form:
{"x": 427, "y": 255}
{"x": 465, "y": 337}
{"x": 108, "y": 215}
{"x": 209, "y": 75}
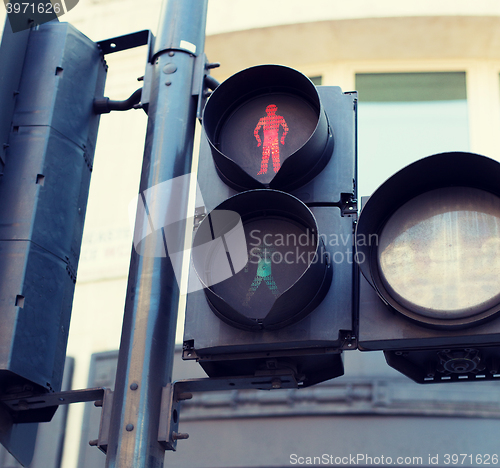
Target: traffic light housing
{"x": 272, "y": 268}
{"x": 47, "y": 163}
{"x": 428, "y": 248}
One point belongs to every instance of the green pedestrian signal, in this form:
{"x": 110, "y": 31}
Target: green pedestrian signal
{"x": 279, "y": 154}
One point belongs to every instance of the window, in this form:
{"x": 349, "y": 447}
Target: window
{"x": 316, "y": 80}
{"x": 403, "y": 117}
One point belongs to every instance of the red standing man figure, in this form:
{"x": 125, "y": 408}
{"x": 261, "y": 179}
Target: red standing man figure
{"x": 271, "y": 123}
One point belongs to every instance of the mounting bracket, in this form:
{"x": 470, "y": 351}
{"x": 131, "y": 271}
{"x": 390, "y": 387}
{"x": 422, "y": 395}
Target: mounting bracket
{"x": 176, "y": 392}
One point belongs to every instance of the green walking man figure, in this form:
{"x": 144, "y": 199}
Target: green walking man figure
{"x": 264, "y": 272}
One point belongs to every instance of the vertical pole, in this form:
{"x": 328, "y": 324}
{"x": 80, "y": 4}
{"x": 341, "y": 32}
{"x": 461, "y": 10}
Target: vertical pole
{"x": 147, "y": 345}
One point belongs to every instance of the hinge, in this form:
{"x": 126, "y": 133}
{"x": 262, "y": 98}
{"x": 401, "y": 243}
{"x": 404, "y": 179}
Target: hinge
{"x": 348, "y": 204}
{"x": 200, "y": 213}
{"x": 71, "y": 270}
{"x": 87, "y": 159}
{"x": 348, "y": 340}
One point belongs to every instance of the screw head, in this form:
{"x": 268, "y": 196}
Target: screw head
{"x": 276, "y": 383}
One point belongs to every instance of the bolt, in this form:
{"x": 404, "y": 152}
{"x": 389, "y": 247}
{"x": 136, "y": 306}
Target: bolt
{"x": 179, "y": 436}
{"x": 171, "y": 53}
{"x": 134, "y": 386}
{"x": 209, "y": 66}
{"x": 93, "y": 443}
{"x": 98, "y": 403}
{"x": 169, "y": 68}
{"x": 129, "y": 427}
{"x": 24, "y": 405}
{"x": 276, "y": 383}
{"x": 168, "y": 83}
{"x": 184, "y": 396}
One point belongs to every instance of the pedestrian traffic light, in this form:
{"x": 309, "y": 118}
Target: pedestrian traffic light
{"x": 271, "y": 281}
{"x": 47, "y": 161}
{"x": 428, "y": 246}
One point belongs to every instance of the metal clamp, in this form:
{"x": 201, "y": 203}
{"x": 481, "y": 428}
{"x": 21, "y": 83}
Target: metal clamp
{"x": 174, "y": 393}
{"x": 107, "y": 404}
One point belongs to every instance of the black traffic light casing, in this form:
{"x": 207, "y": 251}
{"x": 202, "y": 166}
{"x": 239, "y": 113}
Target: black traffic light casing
{"x": 445, "y": 345}
{"x": 311, "y": 322}
{"x": 44, "y": 187}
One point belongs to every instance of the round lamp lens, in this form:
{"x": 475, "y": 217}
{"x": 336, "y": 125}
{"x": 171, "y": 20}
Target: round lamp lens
{"x": 439, "y": 254}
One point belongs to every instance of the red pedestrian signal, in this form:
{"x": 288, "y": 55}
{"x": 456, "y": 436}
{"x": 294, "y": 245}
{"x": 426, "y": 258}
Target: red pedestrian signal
{"x": 283, "y": 303}
{"x": 284, "y": 127}
{"x": 271, "y": 125}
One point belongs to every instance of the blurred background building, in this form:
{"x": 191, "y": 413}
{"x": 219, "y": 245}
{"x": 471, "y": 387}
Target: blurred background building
{"x": 428, "y": 78}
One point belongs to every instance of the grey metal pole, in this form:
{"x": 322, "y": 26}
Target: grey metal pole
{"x": 148, "y": 334}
